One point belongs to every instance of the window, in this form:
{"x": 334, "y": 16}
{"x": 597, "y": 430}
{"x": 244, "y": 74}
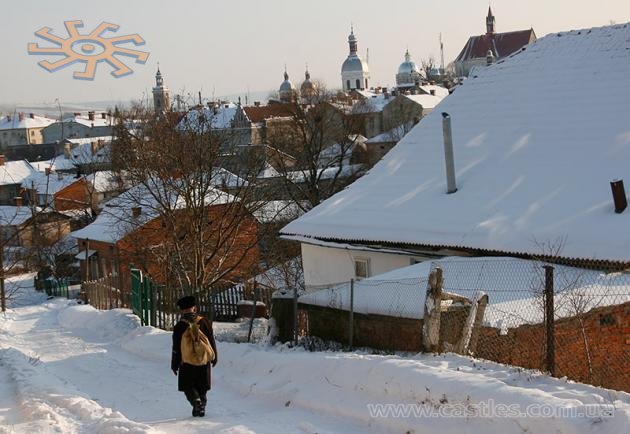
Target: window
{"x": 361, "y": 268}
{"x": 348, "y": 84}
{"x": 358, "y": 84}
{"x": 366, "y": 84}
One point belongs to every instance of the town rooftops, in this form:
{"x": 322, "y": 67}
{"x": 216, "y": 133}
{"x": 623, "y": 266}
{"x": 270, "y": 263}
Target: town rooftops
{"x": 533, "y": 166}
{"x": 14, "y": 172}
{"x": 24, "y": 120}
{"x": 501, "y": 44}
{"x": 257, "y": 114}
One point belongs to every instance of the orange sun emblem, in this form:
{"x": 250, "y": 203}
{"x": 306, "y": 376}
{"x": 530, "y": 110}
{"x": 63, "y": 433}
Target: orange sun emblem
{"x": 89, "y": 49}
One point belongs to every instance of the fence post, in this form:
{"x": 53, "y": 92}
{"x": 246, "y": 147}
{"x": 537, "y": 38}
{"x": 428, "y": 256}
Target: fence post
{"x": 550, "y": 350}
{"x": 295, "y": 315}
{"x": 251, "y": 322}
{"x": 432, "y": 313}
{"x": 351, "y": 325}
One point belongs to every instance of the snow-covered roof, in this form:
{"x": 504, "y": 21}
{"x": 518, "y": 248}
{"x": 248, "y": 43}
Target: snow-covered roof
{"x": 98, "y": 120}
{"x": 277, "y": 211}
{"x": 373, "y": 102}
{"x": 268, "y": 171}
{"x": 103, "y": 181}
{"x": 426, "y": 101}
{"x": 50, "y": 184}
{"x": 14, "y": 172}
{"x": 56, "y": 164}
{"x": 439, "y": 91}
{"x": 84, "y": 140}
{"x": 512, "y": 293}
{"x": 204, "y": 119}
{"x": 327, "y": 173}
{"x": 393, "y": 135}
{"x": 24, "y": 120}
{"x": 116, "y": 219}
{"x": 224, "y": 178}
{"x": 14, "y": 215}
{"x": 533, "y": 166}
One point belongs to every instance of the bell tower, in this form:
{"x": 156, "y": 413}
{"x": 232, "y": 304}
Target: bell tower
{"x": 161, "y": 97}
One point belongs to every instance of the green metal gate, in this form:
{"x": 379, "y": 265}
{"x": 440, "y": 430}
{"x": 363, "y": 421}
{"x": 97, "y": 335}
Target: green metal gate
{"x": 142, "y": 296}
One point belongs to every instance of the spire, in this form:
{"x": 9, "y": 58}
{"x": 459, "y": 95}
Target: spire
{"x": 490, "y": 21}
{"x": 307, "y": 75}
{"x": 407, "y": 56}
{"x": 159, "y": 80}
{"x": 352, "y": 40}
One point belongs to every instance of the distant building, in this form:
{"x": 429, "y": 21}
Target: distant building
{"x": 307, "y": 88}
{"x": 484, "y": 49}
{"x": 409, "y": 75}
{"x": 161, "y": 95}
{"x": 12, "y": 175}
{"x": 79, "y": 126}
{"x": 286, "y": 93}
{"x": 354, "y": 71}
{"x": 22, "y": 129}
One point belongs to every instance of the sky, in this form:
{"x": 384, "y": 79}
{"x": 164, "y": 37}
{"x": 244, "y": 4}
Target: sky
{"x": 231, "y": 47}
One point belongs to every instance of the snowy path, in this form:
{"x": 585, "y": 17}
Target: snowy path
{"x": 72, "y": 369}
{"x": 95, "y": 376}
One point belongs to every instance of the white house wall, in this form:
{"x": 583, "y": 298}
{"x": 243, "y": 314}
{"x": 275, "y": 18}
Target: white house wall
{"x": 328, "y": 265}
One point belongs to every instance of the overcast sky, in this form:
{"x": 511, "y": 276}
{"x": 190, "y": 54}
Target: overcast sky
{"x": 227, "y": 47}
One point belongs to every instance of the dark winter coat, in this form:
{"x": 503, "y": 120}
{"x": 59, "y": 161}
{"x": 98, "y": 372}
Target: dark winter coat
{"x": 197, "y": 377}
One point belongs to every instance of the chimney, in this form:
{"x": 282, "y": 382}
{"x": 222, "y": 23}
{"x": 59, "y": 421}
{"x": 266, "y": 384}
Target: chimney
{"x": 619, "y": 195}
{"x": 66, "y": 151}
{"x": 18, "y": 201}
{"x": 31, "y": 115}
{"x": 256, "y": 103}
{"x": 103, "y": 115}
{"x": 21, "y": 116}
{"x": 94, "y": 147}
{"x": 2, "y": 160}
{"x": 489, "y": 58}
{"x": 91, "y": 116}
{"x": 136, "y": 211}
{"x": 60, "y": 176}
{"x": 47, "y": 171}
{"x": 449, "y": 159}
{"x": 385, "y": 93}
{"x": 76, "y": 114}
{"x": 432, "y": 92}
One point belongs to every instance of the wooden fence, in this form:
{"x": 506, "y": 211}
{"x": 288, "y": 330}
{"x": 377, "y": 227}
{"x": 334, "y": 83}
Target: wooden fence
{"x": 104, "y": 293}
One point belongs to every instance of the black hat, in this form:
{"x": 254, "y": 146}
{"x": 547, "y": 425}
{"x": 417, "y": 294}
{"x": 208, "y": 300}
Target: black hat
{"x": 186, "y": 302}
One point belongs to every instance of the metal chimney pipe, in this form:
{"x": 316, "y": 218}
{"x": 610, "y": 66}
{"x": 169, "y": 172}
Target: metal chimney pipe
{"x": 619, "y": 195}
{"x": 451, "y": 185}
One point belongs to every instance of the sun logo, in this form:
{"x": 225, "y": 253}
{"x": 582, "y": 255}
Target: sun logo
{"x": 89, "y": 49}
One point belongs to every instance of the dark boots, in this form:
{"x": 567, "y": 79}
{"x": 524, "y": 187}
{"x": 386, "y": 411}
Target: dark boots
{"x": 198, "y": 400}
{"x": 198, "y": 409}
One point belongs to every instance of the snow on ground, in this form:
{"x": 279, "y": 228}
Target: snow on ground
{"x": 70, "y": 368}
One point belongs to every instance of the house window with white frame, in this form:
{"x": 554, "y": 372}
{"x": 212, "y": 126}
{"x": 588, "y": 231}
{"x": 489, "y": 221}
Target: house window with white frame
{"x": 361, "y": 268}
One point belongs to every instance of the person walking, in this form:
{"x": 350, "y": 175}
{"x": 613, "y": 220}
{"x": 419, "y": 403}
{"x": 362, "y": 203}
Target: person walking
{"x": 194, "y": 354}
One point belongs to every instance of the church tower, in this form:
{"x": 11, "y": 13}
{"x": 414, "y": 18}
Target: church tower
{"x": 490, "y": 23}
{"x": 354, "y": 71}
{"x": 161, "y": 98}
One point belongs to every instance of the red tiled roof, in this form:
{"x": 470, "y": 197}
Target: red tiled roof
{"x": 260, "y": 113}
{"x": 502, "y": 44}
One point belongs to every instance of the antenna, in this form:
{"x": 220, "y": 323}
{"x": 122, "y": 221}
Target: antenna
{"x": 200, "y": 98}
{"x": 441, "y": 53}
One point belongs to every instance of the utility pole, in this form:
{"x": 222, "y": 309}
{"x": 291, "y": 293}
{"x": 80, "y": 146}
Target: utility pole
{"x": 441, "y": 55}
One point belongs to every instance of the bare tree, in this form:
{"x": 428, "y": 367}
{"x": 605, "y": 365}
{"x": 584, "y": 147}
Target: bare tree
{"x": 189, "y": 227}
{"x": 321, "y": 138}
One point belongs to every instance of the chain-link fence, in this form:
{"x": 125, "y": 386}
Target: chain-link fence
{"x": 567, "y": 321}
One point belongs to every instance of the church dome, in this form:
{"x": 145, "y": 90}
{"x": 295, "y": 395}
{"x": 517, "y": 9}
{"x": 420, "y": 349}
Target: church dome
{"x": 286, "y": 88}
{"x": 286, "y": 85}
{"x": 354, "y": 64}
{"x": 408, "y": 66}
{"x": 307, "y": 88}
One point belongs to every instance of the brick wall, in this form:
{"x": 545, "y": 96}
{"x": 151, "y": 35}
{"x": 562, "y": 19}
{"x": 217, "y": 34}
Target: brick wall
{"x": 74, "y": 196}
{"x": 606, "y": 331}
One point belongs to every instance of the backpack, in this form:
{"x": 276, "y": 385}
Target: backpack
{"x": 196, "y": 348}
